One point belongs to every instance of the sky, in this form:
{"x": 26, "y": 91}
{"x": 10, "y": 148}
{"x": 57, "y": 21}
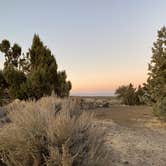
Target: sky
{"x": 101, "y": 44}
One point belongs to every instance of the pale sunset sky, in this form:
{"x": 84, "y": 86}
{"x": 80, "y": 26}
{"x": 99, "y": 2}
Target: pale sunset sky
{"x": 100, "y": 43}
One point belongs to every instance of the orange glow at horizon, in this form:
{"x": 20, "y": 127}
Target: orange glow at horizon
{"x": 109, "y": 84}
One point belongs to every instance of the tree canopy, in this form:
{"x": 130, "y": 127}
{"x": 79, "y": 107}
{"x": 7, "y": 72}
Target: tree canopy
{"x": 156, "y": 83}
{"x": 33, "y": 74}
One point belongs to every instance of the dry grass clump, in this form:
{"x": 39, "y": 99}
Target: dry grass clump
{"x": 51, "y": 132}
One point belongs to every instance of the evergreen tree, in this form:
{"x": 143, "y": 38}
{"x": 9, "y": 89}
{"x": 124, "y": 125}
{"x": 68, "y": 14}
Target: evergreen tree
{"x": 12, "y": 54}
{"x": 3, "y": 84}
{"x": 34, "y": 74}
{"x": 43, "y": 67}
{"x": 126, "y": 93}
{"x": 140, "y": 95}
{"x": 130, "y": 95}
{"x": 156, "y": 83}
{"x": 63, "y": 87}
{"x": 14, "y": 79}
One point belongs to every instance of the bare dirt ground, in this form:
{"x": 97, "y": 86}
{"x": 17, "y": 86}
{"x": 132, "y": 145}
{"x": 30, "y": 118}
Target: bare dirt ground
{"x": 134, "y": 136}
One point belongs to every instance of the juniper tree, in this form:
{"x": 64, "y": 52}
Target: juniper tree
{"x": 130, "y": 95}
{"x": 127, "y": 94}
{"x": 3, "y": 85}
{"x": 140, "y": 92}
{"x": 43, "y": 74}
{"x": 12, "y": 54}
{"x": 156, "y": 83}
{"x": 62, "y": 87}
{"x": 13, "y": 77}
{"x": 33, "y": 74}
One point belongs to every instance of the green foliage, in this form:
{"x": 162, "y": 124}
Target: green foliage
{"x": 43, "y": 67}
{"x": 63, "y": 87}
{"x": 156, "y": 83}
{"x": 40, "y": 55}
{"x": 159, "y": 108}
{"x": 3, "y": 84}
{"x": 14, "y": 79}
{"x": 130, "y": 95}
{"x": 34, "y": 74}
{"x": 140, "y": 93}
{"x": 5, "y": 46}
{"x": 39, "y": 83}
{"x": 3, "y": 87}
{"x": 12, "y": 54}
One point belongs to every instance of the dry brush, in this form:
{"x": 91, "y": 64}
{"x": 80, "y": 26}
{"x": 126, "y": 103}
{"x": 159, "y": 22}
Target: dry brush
{"x": 51, "y": 132}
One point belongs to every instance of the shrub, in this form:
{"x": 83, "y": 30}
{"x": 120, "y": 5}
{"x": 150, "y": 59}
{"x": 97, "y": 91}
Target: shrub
{"x": 40, "y": 135}
{"x": 130, "y": 95}
{"x": 159, "y": 108}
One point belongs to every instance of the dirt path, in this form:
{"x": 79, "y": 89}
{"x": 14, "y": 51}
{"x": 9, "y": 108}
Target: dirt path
{"x": 134, "y": 136}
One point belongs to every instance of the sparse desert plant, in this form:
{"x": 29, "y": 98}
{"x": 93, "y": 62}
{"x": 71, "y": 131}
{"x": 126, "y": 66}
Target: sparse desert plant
{"x": 39, "y": 135}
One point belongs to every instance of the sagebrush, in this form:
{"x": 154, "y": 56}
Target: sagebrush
{"x": 51, "y": 132}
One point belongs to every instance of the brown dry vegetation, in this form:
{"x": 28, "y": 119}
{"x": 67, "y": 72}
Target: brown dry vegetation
{"x": 58, "y": 132}
{"x": 51, "y": 132}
